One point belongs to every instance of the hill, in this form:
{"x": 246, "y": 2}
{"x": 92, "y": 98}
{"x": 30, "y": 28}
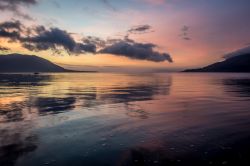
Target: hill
{"x": 27, "y": 63}
{"x": 239, "y": 63}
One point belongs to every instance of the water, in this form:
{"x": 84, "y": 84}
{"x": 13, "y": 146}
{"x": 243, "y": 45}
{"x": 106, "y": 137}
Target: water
{"x": 124, "y": 119}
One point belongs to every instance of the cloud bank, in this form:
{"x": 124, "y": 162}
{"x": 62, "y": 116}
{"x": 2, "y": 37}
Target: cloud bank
{"x": 40, "y": 38}
{"x": 134, "y": 50}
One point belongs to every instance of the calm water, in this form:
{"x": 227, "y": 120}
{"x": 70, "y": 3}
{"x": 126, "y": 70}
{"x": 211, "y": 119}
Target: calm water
{"x": 125, "y": 119}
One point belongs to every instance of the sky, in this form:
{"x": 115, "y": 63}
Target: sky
{"x": 169, "y": 35}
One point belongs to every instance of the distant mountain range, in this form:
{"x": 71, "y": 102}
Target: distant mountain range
{"x": 233, "y": 63}
{"x": 18, "y": 63}
{"x": 27, "y": 63}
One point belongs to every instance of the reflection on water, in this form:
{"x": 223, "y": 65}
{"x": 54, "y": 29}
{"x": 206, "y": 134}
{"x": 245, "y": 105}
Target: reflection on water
{"x": 52, "y": 94}
{"x": 238, "y": 86}
{"x": 54, "y": 105}
{"x": 124, "y": 119}
{"x": 23, "y": 79}
{"x": 14, "y": 145}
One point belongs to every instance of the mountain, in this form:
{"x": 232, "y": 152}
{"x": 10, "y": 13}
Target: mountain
{"x": 27, "y": 63}
{"x": 239, "y": 63}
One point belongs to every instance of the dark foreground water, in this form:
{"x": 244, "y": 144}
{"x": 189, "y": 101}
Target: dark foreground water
{"x": 125, "y": 119}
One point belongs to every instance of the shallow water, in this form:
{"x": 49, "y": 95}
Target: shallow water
{"x": 125, "y": 119}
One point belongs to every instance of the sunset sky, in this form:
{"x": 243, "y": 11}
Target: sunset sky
{"x": 112, "y": 34}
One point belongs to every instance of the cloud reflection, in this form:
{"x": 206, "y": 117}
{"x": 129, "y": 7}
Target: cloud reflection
{"x": 23, "y": 80}
{"x": 53, "y": 94}
{"x": 54, "y": 105}
{"x": 239, "y": 87}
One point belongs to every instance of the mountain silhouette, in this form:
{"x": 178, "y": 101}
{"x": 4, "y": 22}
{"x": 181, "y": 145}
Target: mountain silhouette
{"x": 240, "y": 63}
{"x": 27, "y": 63}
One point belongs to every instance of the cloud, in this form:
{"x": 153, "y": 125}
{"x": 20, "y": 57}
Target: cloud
{"x": 24, "y": 16}
{"x": 109, "y": 5}
{"x": 40, "y": 38}
{"x": 11, "y": 25}
{"x": 14, "y": 4}
{"x": 4, "y": 49}
{"x": 245, "y": 50}
{"x": 56, "y": 4}
{"x": 46, "y": 39}
{"x": 83, "y": 47}
{"x": 10, "y": 29}
{"x": 140, "y": 29}
{"x": 14, "y": 7}
{"x": 134, "y": 50}
{"x": 185, "y": 33}
{"x": 98, "y": 42}
{"x": 186, "y": 38}
{"x": 54, "y": 38}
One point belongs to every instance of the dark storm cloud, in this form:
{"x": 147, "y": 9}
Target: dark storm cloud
{"x": 140, "y": 29}
{"x": 14, "y": 5}
{"x": 134, "y": 50}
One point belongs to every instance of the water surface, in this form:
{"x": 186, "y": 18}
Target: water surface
{"x": 124, "y": 119}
